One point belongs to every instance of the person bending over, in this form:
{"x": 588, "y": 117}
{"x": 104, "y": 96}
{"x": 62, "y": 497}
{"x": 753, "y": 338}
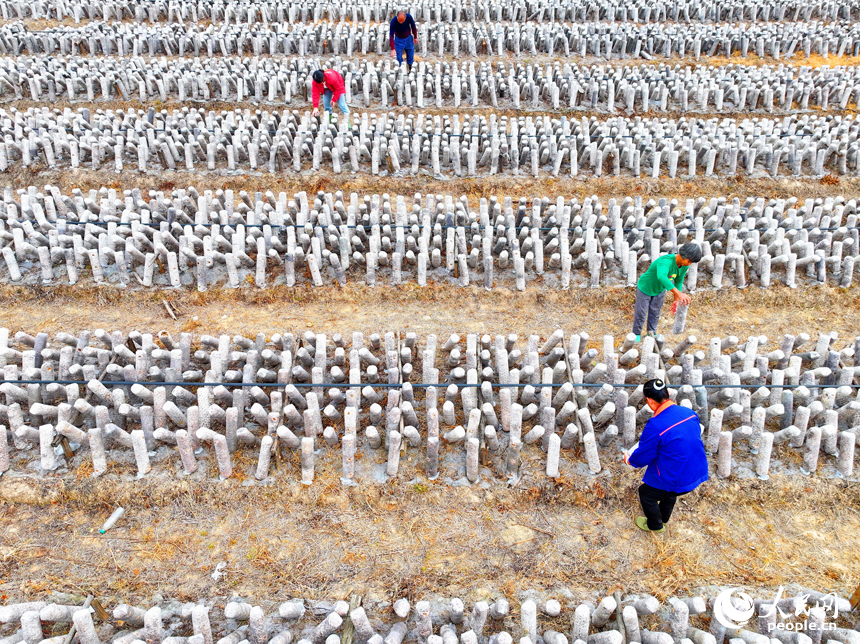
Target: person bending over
{"x": 402, "y": 34}
{"x": 671, "y": 449}
{"x": 666, "y": 273}
{"x": 330, "y": 85}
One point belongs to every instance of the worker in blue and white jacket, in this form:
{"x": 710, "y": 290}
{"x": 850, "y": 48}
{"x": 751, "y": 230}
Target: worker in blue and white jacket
{"x": 672, "y": 450}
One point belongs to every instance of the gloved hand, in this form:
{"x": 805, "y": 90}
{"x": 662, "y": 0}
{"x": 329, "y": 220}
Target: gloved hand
{"x": 628, "y": 452}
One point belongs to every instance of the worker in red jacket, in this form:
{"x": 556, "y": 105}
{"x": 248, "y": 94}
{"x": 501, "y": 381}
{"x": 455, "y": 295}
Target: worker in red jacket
{"x": 330, "y": 84}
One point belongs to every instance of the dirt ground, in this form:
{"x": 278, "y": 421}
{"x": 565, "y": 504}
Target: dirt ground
{"x": 416, "y": 538}
{"x": 413, "y": 536}
{"x": 434, "y": 309}
{"x": 473, "y": 188}
{"x": 505, "y": 109}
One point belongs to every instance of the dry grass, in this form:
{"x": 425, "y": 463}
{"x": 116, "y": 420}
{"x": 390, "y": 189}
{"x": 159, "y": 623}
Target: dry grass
{"x": 474, "y": 188}
{"x": 435, "y": 309}
{"x": 418, "y": 538}
{"x": 415, "y": 537}
{"x": 505, "y": 109}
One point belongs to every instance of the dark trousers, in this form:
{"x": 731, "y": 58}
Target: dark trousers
{"x": 657, "y": 505}
{"x": 647, "y": 306}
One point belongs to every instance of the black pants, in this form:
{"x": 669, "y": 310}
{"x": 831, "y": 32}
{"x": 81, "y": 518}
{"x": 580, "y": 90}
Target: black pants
{"x": 657, "y": 505}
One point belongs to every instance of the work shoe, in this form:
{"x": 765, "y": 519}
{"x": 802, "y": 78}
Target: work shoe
{"x": 638, "y": 338}
{"x": 642, "y": 524}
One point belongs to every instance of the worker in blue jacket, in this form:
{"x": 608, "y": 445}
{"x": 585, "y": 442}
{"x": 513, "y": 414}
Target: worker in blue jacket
{"x": 671, "y": 447}
{"x": 402, "y": 34}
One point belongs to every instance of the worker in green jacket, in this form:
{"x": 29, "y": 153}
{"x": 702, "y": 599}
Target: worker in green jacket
{"x": 666, "y": 273}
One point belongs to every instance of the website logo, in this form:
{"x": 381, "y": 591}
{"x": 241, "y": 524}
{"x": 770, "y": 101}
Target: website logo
{"x": 734, "y": 609}
{"x": 801, "y": 619}
{"x": 730, "y": 616}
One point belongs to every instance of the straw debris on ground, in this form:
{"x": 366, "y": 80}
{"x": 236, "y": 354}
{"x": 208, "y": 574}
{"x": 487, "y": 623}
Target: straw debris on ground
{"x": 415, "y": 538}
{"x": 437, "y": 308}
